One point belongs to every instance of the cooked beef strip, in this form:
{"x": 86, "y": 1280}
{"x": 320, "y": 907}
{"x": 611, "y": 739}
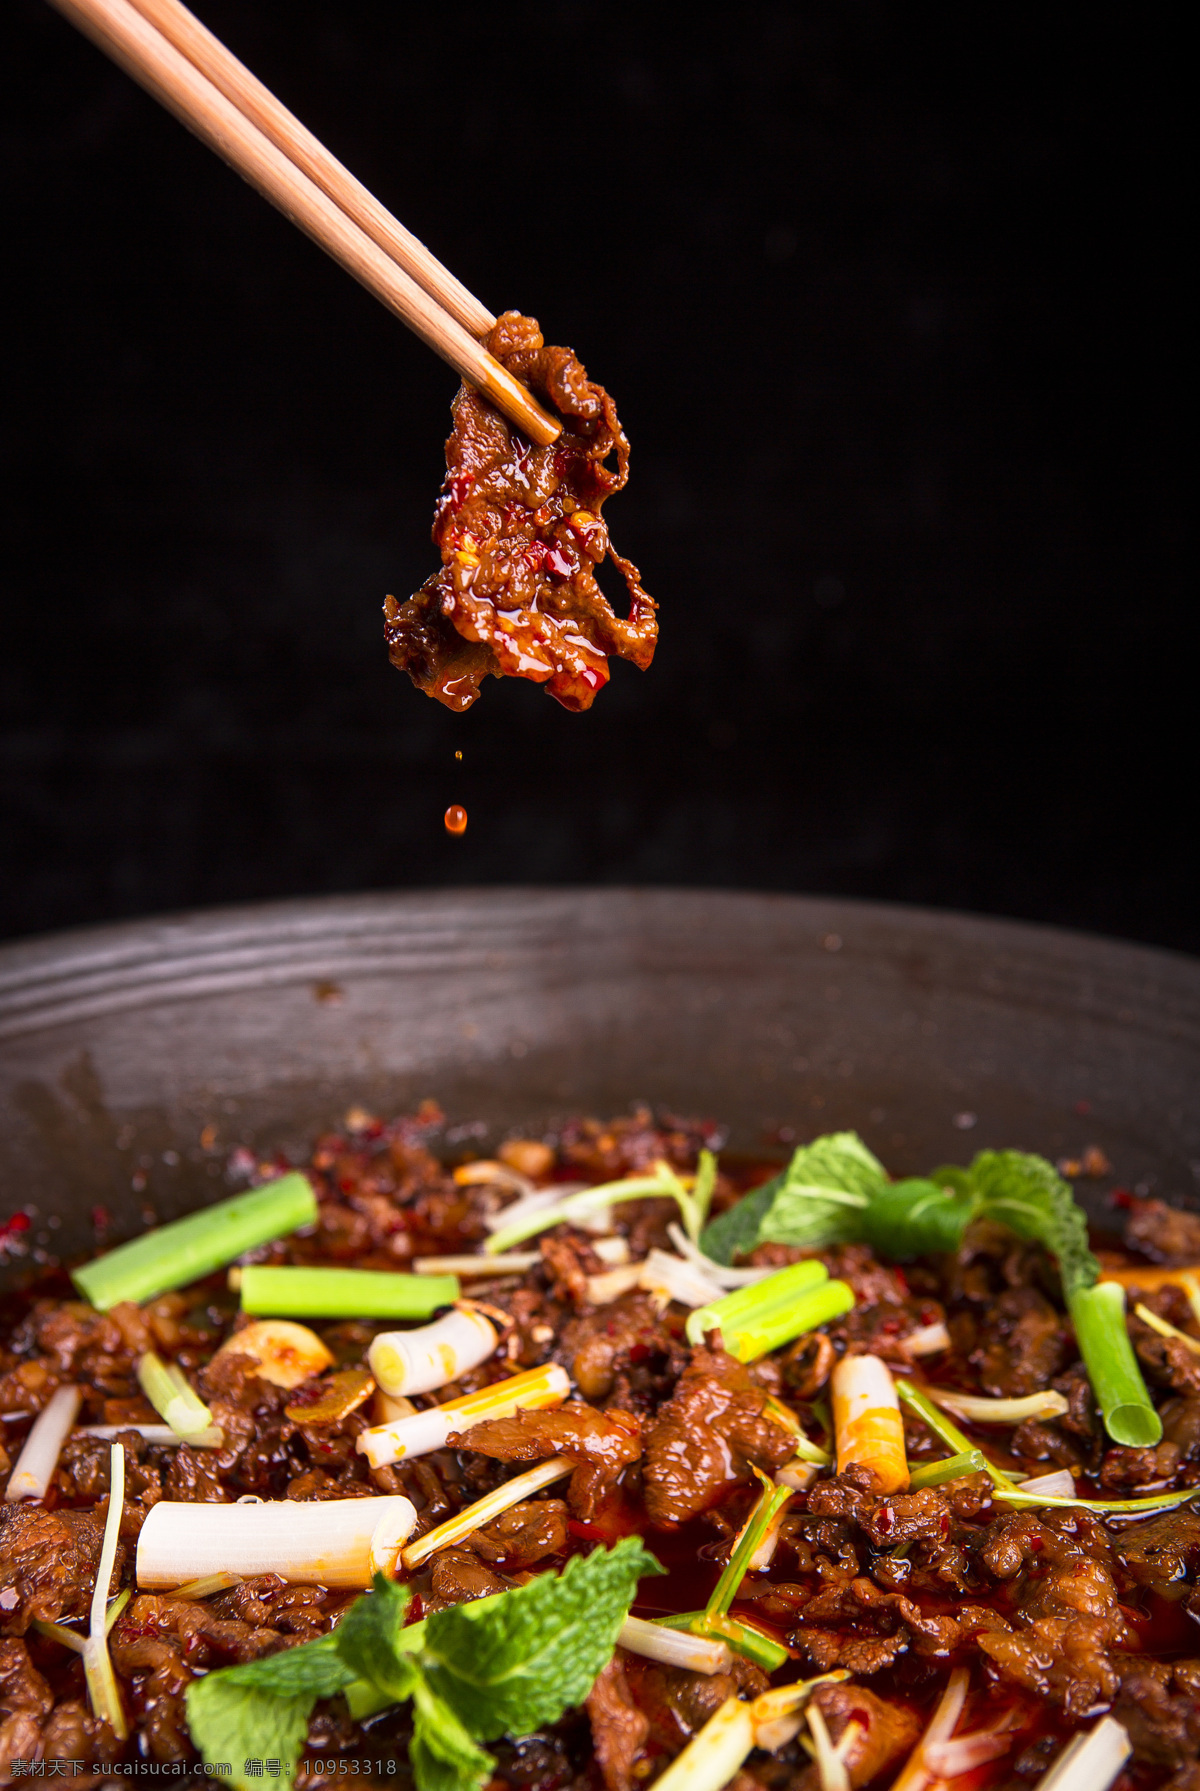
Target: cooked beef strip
{"x": 603, "y": 1444}
{"x": 1164, "y": 1233}
{"x": 710, "y": 1432}
{"x": 521, "y": 535}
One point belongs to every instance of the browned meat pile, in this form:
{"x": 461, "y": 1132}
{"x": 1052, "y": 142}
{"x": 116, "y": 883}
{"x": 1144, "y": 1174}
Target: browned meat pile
{"x": 521, "y": 538}
{"x": 1058, "y": 1615}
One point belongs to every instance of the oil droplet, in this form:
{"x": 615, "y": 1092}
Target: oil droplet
{"x": 458, "y": 753}
{"x": 456, "y": 818}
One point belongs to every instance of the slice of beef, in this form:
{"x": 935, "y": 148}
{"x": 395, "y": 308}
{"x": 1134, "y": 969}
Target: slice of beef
{"x": 1181, "y": 1425}
{"x": 1164, "y": 1233}
{"x": 619, "y": 1728}
{"x": 602, "y": 1443}
{"x": 711, "y": 1432}
{"x": 1159, "y": 1707}
{"x": 458, "y": 1576}
{"x": 889, "y": 1731}
{"x": 1024, "y": 1344}
{"x": 49, "y": 1559}
{"x": 626, "y": 1352}
{"x": 524, "y": 1534}
{"x": 1164, "y": 1552}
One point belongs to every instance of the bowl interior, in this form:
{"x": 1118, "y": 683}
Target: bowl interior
{"x": 132, "y": 1058}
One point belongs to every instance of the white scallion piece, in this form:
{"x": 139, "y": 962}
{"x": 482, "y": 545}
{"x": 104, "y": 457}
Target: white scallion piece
{"x": 34, "y": 1470}
{"x": 486, "y": 1172}
{"x": 679, "y": 1279}
{"x": 156, "y": 1433}
{"x": 978, "y": 1410}
{"x": 916, "y": 1773}
{"x": 713, "y": 1757}
{"x": 103, "y": 1689}
{"x": 1091, "y": 1762}
{"x": 928, "y": 1340}
{"x": 614, "y": 1251}
{"x": 867, "y": 1424}
{"x": 483, "y": 1510}
{"x": 1059, "y": 1485}
{"x": 334, "y": 1542}
{"x": 831, "y": 1764}
{"x": 422, "y": 1432}
{"x": 603, "y": 1289}
{"x": 431, "y": 1356}
{"x": 674, "y": 1647}
{"x": 716, "y": 1272}
{"x": 535, "y": 1201}
{"x": 764, "y": 1554}
{"x": 516, "y": 1262}
{"x": 798, "y": 1474}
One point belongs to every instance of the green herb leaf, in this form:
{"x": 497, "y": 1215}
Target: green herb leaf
{"x": 369, "y": 1640}
{"x": 514, "y": 1663}
{"x": 260, "y": 1710}
{"x": 818, "y": 1200}
{"x": 442, "y": 1754}
{"x": 915, "y": 1218}
{"x": 1028, "y": 1195}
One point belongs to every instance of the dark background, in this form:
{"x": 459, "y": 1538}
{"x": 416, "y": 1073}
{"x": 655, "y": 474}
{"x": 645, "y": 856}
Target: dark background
{"x": 890, "y": 301}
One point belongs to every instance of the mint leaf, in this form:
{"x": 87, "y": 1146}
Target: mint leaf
{"x": 260, "y": 1709}
{"x": 818, "y": 1200}
{"x": 1028, "y": 1195}
{"x": 514, "y": 1663}
{"x": 915, "y": 1218}
{"x": 369, "y": 1640}
{"x": 442, "y": 1754}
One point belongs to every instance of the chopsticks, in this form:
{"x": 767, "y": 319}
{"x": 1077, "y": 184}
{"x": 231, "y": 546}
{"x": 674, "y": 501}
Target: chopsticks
{"x": 168, "y": 51}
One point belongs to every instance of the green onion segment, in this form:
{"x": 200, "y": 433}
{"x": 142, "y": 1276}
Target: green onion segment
{"x": 1098, "y": 1314}
{"x": 942, "y": 1427}
{"x": 270, "y": 1292}
{"x": 188, "y": 1249}
{"x": 937, "y": 1473}
{"x": 743, "y": 1638}
{"x": 771, "y": 1502}
{"x": 754, "y": 1320}
{"x": 172, "y": 1396}
{"x": 103, "y": 1690}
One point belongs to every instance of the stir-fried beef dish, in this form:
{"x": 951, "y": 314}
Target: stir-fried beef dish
{"x": 960, "y": 1629}
{"x": 522, "y": 538}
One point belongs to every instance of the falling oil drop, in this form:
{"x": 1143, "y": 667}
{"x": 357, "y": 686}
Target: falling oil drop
{"x": 456, "y": 818}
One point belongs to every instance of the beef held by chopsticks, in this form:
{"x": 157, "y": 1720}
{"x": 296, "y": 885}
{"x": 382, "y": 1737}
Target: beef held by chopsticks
{"x": 521, "y": 538}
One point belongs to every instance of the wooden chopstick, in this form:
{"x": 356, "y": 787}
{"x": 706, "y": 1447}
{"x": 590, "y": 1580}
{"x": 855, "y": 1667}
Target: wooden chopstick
{"x": 257, "y": 103}
{"x": 135, "y": 42}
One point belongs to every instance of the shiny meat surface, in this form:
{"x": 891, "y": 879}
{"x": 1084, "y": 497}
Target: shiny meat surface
{"x": 709, "y": 1434}
{"x": 602, "y": 1443}
{"x": 522, "y": 537}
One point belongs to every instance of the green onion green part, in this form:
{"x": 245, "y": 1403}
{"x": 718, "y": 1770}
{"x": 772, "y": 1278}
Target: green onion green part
{"x": 103, "y": 1690}
{"x": 943, "y": 1427}
{"x": 172, "y": 1397}
{"x": 661, "y": 1183}
{"x": 743, "y": 1638}
{"x": 1098, "y": 1314}
{"x": 771, "y": 1502}
{"x": 936, "y": 1473}
{"x": 270, "y": 1292}
{"x": 1016, "y": 1495}
{"x": 754, "y": 1320}
{"x": 188, "y": 1249}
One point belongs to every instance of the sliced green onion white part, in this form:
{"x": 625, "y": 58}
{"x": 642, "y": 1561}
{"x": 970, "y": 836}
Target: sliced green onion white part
{"x": 603, "y": 1289}
{"x": 798, "y": 1474}
{"x": 334, "y": 1542}
{"x": 831, "y": 1764}
{"x": 35, "y": 1465}
{"x": 172, "y": 1396}
{"x": 515, "y": 1262}
{"x": 103, "y": 1690}
{"x": 978, "y": 1410}
{"x": 212, "y": 1438}
{"x": 432, "y": 1356}
{"x": 770, "y": 1505}
{"x": 422, "y": 1432}
{"x": 675, "y": 1647}
{"x": 1091, "y": 1762}
{"x": 678, "y": 1279}
{"x": 485, "y": 1509}
{"x": 188, "y": 1249}
{"x": 1059, "y": 1485}
{"x": 591, "y": 1205}
{"x": 917, "y": 1773}
{"x": 928, "y": 1340}
{"x": 717, "y": 1272}
{"x": 712, "y": 1758}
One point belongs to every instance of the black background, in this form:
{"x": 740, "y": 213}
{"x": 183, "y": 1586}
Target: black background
{"x": 889, "y": 299}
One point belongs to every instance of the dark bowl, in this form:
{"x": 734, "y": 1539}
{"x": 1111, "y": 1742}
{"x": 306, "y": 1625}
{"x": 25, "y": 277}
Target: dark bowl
{"x": 932, "y": 1034}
